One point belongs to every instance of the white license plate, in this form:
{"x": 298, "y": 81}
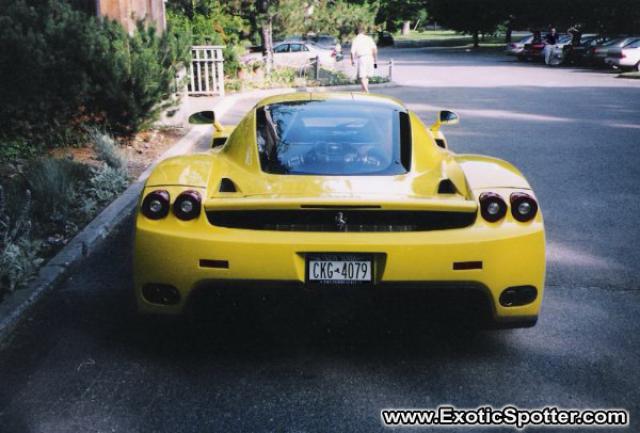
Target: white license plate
{"x": 339, "y": 271}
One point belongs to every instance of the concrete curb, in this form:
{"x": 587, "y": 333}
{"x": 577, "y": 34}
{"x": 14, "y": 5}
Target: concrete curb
{"x": 348, "y": 87}
{"x": 15, "y": 308}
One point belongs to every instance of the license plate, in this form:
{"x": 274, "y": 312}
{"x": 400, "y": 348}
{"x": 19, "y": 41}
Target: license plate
{"x": 340, "y": 269}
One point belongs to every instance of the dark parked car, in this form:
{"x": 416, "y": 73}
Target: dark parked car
{"x": 384, "y": 39}
{"x": 583, "y": 52}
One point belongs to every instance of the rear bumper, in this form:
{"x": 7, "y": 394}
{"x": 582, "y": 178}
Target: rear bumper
{"x": 194, "y": 255}
{"x": 621, "y": 62}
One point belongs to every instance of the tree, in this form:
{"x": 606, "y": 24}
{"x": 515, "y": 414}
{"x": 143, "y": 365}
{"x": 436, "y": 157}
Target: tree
{"x": 395, "y": 12}
{"x": 611, "y": 16}
{"x": 62, "y": 70}
{"x": 469, "y": 16}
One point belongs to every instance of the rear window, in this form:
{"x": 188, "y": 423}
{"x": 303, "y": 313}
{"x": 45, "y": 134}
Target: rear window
{"x": 333, "y": 138}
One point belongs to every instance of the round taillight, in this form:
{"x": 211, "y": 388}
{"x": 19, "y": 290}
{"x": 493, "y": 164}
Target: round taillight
{"x": 187, "y": 205}
{"x": 156, "y": 205}
{"x": 523, "y": 206}
{"x": 492, "y": 207}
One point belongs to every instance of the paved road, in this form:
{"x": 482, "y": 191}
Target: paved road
{"x": 84, "y": 362}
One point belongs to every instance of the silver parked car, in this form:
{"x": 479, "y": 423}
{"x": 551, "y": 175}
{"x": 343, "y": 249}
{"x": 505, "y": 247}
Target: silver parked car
{"x": 515, "y": 48}
{"x": 601, "y": 51}
{"x": 625, "y": 57}
{"x": 296, "y": 54}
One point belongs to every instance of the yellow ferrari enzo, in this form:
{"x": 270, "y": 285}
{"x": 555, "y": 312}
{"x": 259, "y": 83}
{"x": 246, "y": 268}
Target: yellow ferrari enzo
{"x": 332, "y": 189}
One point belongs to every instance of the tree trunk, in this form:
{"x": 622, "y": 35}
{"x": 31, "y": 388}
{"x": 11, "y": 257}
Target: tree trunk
{"x": 267, "y": 42}
{"x": 476, "y": 41}
{"x": 406, "y": 27}
{"x": 507, "y": 36}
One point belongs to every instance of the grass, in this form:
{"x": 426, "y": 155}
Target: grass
{"x": 446, "y": 38}
{"x": 431, "y": 35}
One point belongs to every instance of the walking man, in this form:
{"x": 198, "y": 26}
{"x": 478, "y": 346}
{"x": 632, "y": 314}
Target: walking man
{"x": 364, "y": 55}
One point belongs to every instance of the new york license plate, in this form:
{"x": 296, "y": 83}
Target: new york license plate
{"x": 339, "y": 269}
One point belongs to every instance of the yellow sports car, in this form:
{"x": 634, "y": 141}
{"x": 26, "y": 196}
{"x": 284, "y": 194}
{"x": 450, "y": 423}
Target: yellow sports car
{"x": 322, "y": 190}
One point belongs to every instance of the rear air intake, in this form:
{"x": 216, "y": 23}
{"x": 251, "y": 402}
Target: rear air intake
{"x": 227, "y": 185}
{"x": 446, "y": 187}
{"x": 518, "y": 295}
{"x": 164, "y": 294}
{"x": 216, "y": 264}
{"x": 466, "y": 266}
{"x": 341, "y": 220}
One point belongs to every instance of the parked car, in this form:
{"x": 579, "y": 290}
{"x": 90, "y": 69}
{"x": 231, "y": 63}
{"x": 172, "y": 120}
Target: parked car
{"x": 322, "y": 41}
{"x": 327, "y": 42}
{"x": 600, "y": 52}
{"x": 535, "y": 51}
{"x": 319, "y": 190}
{"x": 627, "y": 57}
{"x": 296, "y": 54}
{"x": 583, "y": 52}
{"x": 516, "y": 48}
{"x": 383, "y": 38}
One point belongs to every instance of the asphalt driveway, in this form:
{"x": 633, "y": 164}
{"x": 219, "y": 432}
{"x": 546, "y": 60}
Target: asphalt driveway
{"x": 278, "y": 363}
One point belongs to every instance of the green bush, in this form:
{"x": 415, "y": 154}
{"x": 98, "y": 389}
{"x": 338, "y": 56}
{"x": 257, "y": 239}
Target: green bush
{"x": 62, "y": 69}
{"x": 208, "y": 22}
{"x": 107, "y": 150}
{"x": 15, "y": 149}
{"x": 136, "y": 78}
{"x": 55, "y": 185}
{"x": 106, "y": 184}
{"x": 18, "y": 252}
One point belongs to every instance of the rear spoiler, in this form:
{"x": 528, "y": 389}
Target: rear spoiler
{"x": 375, "y": 202}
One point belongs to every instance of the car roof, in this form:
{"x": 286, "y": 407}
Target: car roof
{"x": 333, "y": 96}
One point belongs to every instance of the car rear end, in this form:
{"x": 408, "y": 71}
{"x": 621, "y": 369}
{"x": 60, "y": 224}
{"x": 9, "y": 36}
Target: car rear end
{"x": 516, "y": 48}
{"x": 626, "y": 57}
{"x": 321, "y": 243}
{"x": 325, "y": 192}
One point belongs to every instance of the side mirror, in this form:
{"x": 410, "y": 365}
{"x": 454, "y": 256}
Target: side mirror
{"x": 208, "y": 117}
{"x": 445, "y": 117}
{"x": 203, "y": 118}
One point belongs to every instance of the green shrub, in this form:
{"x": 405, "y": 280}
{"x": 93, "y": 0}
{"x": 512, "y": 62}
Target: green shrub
{"x": 15, "y": 149}
{"x": 55, "y": 185}
{"x": 107, "y": 150}
{"x": 209, "y": 22}
{"x": 136, "y": 79}
{"x": 61, "y": 69}
{"x": 107, "y": 183}
{"x": 18, "y": 252}
{"x": 282, "y": 77}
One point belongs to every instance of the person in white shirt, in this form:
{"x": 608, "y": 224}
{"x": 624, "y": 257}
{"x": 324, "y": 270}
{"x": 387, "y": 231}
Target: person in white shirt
{"x": 364, "y": 54}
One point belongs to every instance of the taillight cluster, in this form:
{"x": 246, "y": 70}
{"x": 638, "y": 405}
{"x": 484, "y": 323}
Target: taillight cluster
{"x": 493, "y": 208}
{"x": 187, "y": 205}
